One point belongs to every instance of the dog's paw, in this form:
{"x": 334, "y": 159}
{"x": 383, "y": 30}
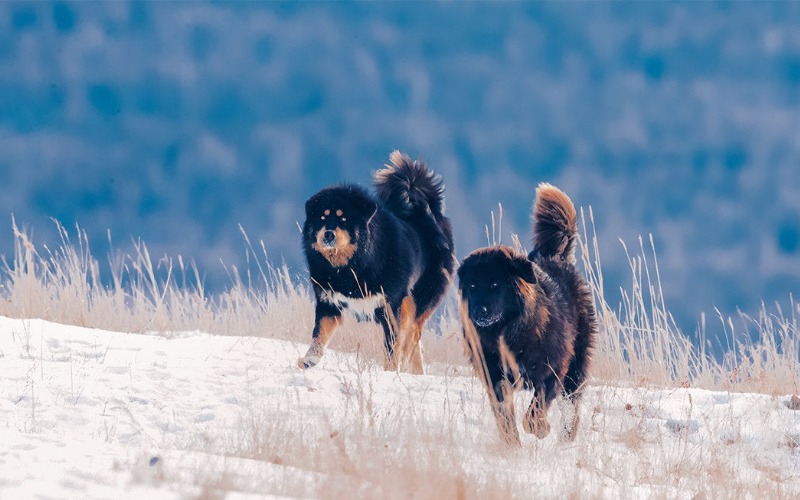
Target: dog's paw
{"x": 536, "y": 425}
{"x": 308, "y": 361}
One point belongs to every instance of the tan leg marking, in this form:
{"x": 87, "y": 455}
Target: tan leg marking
{"x": 316, "y": 350}
{"x": 405, "y": 331}
{"x": 535, "y": 421}
{"x": 408, "y": 352}
{"x": 417, "y": 366}
{"x": 505, "y": 415}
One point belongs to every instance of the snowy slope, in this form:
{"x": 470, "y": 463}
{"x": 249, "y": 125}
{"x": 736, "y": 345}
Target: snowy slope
{"x": 96, "y": 414}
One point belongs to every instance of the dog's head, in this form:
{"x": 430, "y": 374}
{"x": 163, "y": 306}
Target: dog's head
{"x": 336, "y": 220}
{"x": 495, "y": 284}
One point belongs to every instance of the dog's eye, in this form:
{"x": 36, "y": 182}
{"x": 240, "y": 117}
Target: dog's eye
{"x": 472, "y": 285}
{"x": 494, "y": 285}
{"x": 323, "y": 217}
{"x": 344, "y": 219}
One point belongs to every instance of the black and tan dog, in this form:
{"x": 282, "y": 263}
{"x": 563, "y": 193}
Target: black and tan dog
{"x": 388, "y": 257}
{"x": 529, "y": 321}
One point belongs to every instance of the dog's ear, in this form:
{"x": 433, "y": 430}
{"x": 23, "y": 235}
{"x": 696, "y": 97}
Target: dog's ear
{"x": 311, "y": 205}
{"x": 460, "y": 272}
{"x": 524, "y": 269}
{"x": 366, "y": 207}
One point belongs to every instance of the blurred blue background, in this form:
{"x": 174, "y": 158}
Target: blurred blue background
{"x": 174, "y": 122}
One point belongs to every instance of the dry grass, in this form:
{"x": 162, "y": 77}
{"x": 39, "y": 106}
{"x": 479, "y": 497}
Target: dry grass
{"x": 641, "y": 345}
{"x": 143, "y": 295}
{"x": 458, "y": 455}
{"x": 639, "y": 341}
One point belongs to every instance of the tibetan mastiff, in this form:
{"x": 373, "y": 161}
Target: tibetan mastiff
{"x": 388, "y": 258}
{"x": 529, "y": 321}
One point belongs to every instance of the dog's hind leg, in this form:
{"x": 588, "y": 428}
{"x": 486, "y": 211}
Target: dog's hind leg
{"x": 408, "y": 335}
{"x": 417, "y": 366}
{"x": 415, "y": 343}
{"x": 577, "y": 373}
{"x": 574, "y": 382}
{"x": 326, "y": 318}
{"x": 426, "y": 296}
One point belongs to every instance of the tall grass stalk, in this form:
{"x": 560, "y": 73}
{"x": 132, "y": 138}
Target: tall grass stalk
{"x": 639, "y": 342}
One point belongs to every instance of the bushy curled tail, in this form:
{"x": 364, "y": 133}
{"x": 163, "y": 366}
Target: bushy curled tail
{"x": 555, "y": 223}
{"x": 407, "y": 186}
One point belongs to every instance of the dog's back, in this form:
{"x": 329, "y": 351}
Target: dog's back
{"x": 415, "y": 195}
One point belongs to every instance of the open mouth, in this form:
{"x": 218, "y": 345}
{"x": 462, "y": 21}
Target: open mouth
{"x": 485, "y": 321}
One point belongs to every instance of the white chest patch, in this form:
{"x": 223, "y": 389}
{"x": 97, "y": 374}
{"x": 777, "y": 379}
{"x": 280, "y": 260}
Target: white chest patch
{"x": 362, "y": 309}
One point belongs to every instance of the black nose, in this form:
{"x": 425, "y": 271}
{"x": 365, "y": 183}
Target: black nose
{"x": 328, "y": 237}
{"x": 478, "y": 312}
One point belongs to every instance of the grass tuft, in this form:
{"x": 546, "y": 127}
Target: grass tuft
{"x": 639, "y": 342}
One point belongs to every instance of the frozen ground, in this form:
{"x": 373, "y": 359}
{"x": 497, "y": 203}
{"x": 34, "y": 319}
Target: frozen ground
{"x": 87, "y": 413}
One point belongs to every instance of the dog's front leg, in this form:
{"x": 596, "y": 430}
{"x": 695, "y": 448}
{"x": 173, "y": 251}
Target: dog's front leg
{"x": 503, "y": 408}
{"x": 535, "y": 421}
{"x": 326, "y": 318}
{"x": 389, "y": 337}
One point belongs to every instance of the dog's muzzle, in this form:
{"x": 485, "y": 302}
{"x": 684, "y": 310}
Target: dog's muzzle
{"x": 481, "y": 317}
{"x": 329, "y": 238}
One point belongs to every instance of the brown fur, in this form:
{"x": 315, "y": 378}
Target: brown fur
{"x": 529, "y": 321}
{"x": 535, "y": 312}
{"x": 340, "y": 254}
{"x": 409, "y": 350}
{"x": 327, "y": 325}
{"x": 554, "y": 205}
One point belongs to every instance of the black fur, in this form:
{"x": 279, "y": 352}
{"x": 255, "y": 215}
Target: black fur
{"x": 402, "y": 249}
{"x": 529, "y": 321}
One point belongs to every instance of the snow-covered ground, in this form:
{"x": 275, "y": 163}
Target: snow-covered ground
{"x": 88, "y": 413}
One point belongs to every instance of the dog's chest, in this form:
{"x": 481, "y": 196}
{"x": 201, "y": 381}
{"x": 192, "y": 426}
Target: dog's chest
{"x": 362, "y": 308}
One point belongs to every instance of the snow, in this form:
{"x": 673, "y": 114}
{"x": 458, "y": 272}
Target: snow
{"x": 97, "y": 414}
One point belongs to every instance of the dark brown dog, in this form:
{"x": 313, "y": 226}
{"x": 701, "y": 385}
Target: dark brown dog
{"x": 529, "y": 321}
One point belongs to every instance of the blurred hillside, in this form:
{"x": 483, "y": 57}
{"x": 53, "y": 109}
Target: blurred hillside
{"x": 174, "y": 121}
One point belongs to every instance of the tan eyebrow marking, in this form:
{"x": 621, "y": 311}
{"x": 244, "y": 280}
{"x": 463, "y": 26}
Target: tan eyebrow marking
{"x": 338, "y": 213}
{"x": 327, "y": 212}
